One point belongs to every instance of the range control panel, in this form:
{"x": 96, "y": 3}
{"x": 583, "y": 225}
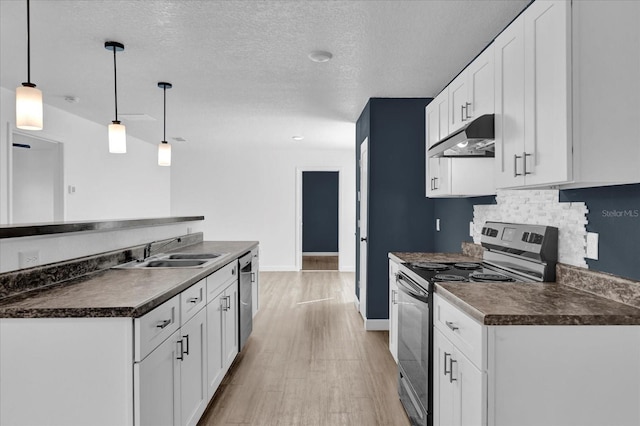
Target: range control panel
{"x": 538, "y": 242}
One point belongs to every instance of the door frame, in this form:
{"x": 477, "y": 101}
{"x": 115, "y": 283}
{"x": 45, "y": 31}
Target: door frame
{"x": 362, "y": 253}
{"x": 60, "y": 200}
{"x": 298, "y": 216}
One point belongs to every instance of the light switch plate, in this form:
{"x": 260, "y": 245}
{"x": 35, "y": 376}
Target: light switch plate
{"x": 592, "y": 245}
{"x": 437, "y": 224}
{"x": 471, "y": 229}
{"x": 28, "y": 259}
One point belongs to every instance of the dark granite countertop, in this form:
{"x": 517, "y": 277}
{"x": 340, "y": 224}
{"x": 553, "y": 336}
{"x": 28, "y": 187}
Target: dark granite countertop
{"x": 527, "y": 303}
{"x": 536, "y": 304}
{"x": 119, "y": 292}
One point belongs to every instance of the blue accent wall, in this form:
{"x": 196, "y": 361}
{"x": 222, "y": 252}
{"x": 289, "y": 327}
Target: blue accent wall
{"x": 455, "y": 215}
{"x": 400, "y": 216}
{"x": 320, "y": 212}
{"x": 614, "y": 213}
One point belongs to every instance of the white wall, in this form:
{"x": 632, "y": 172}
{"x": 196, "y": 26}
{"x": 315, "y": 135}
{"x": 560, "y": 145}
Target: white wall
{"x": 250, "y": 194}
{"x": 108, "y": 186}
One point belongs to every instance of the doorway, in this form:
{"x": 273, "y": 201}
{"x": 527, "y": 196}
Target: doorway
{"x": 318, "y": 213}
{"x": 36, "y": 181}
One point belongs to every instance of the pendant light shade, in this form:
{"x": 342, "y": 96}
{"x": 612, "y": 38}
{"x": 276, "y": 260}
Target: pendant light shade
{"x": 164, "y": 148}
{"x": 28, "y": 98}
{"x": 117, "y": 131}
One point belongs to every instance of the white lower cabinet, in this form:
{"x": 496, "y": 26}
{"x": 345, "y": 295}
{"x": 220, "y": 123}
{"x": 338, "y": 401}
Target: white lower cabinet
{"x": 529, "y": 375}
{"x": 157, "y": 385}
{"x": 393, "y": 310}
{"x": 222, "y": 335}
{"x": 193, "y": 369}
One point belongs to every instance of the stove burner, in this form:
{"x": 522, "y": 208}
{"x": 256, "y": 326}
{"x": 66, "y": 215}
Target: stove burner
{"x": 467, "y": 265}
{"x": 490, "y": 277}
{"x": 430, "y": 266}
{"x": 448, "y": 277}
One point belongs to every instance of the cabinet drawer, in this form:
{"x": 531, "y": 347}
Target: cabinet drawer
{"x": 192, "y": 300}
{"x": 217, "y": 280}
{"x": 465, "y": 333}
{"x": 154, "y": 327}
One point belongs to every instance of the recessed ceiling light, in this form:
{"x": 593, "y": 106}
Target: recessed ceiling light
{"x": 179, "y": 139}
{"x": 297, "y": 138}
{"x": 320, "y": 56}
{"x": 72, "y": 99}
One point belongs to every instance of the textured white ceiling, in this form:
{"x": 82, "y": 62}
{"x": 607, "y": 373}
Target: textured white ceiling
{"x": 239, "y": 69}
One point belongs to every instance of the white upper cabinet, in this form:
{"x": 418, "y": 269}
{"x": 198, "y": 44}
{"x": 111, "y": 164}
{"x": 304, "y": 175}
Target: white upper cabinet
{"x": 533, "y": 140}
{"x": 566, "y": 87}
{"x": 437, "y": 118}
{"x": 471, "y": 92}
{"x": 459, "y": 177}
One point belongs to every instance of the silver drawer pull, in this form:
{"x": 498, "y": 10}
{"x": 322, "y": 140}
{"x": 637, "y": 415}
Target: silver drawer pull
{"x": 194, "y": 300}
{"x": 163, "y": 324}
{"x": 181, "y": 351}
{"x": 451, "y": 379}
{"x": 451, "y": 326}
{"x": 446, "y": 355}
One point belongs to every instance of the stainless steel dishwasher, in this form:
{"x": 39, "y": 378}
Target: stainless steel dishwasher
{"x": 244, "y": 295}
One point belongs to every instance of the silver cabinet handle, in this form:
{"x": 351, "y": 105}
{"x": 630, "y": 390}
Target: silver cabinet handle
{"x": 233, "y": 271}
{"x": 394, "y": 293}
{"x": 515, "y": 165}
{"x": 163, "y": 324}
{"x": 223, "y": 305}
{"x": 180, "y": 357}
{"x": 451, "y": 361}
{"x": 228, "y": 302}
{"x": 253, "y": 277}
{"x": 524, "y": 163}
{"x": 466, "y": 109}
{"x": 435, "y": 183}
{"x": 186, "y": 352}
{"x": 451, "y": 325}
{"x": 446, "y": 355}
{"x": 194, "y": 300}
{"x": 462, "y": 107}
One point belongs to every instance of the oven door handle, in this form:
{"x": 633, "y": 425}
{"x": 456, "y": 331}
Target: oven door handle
{"x": 407, "y": 286}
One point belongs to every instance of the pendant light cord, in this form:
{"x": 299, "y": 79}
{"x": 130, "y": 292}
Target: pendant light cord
{"x": 28, "y": 44}
{"x": 115, "y": 80}
{"x": 164, "y": 130}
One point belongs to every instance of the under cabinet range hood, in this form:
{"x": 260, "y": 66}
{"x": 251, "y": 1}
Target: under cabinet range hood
{"x": 476, "y": 139}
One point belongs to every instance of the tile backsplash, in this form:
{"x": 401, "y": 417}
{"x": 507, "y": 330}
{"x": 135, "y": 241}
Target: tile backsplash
{"x": 540, "y": 207}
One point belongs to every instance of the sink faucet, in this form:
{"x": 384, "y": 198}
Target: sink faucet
{"x": 147, "y": 248}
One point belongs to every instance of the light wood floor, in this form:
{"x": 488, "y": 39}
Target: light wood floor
{"x": 309, "y": 360}
{"x": 319, "y": 263}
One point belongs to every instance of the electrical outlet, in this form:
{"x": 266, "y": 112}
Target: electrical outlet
{"x": 189, "y": 230}
{"x": 437, "y": 224}
{"x": 30, "y": 258}
{"x": 471, "y": 229}
{"x": 592, "y": 245}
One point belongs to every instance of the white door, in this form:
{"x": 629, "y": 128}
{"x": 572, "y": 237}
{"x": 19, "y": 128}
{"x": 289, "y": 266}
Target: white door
{"x": 364, "y": 209}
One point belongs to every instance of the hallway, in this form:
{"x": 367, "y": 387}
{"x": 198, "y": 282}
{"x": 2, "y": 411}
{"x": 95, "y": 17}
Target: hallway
{"x": 309, "y": 360}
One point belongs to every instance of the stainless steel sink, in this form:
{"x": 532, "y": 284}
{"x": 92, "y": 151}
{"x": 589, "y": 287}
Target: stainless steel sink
{"x": 175, "y": 260}
{"x": 194, "y": 256}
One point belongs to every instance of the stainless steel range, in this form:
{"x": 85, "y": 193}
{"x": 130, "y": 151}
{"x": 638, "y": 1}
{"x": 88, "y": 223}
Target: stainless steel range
{"x": 513, "y": 253}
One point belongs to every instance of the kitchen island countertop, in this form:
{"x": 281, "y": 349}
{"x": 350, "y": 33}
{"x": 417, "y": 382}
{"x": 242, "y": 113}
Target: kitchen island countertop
{"x": 526, "y": 303}
{"x": 119, "y": 292}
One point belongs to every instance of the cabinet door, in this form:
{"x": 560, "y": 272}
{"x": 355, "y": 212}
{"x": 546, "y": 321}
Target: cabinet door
{"x": 468, "y": 392}
{"x": 439, "y": 177}
{"x": 215, "y": 343}
{"x": 547, "y": 152}
{"x": 193, "y": 374}
{"x": 432, "y": 121}
{"x": 480, "y": 81}
{"x": 157, "y": 391}
{"x": 442, "y": 102}
{"x": 231, "y": 326}
{"x": 458, "y": 102}
{"x": 393, "y": 310}
{"x": 509, "y": 102}
{"x": 442, "y": 380}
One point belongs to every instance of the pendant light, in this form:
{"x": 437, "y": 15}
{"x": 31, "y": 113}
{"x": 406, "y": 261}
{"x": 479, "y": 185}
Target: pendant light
{"x": 28, "y": 98}
{"x": 164, "y": 148}
{"x": 117, "y": 132}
